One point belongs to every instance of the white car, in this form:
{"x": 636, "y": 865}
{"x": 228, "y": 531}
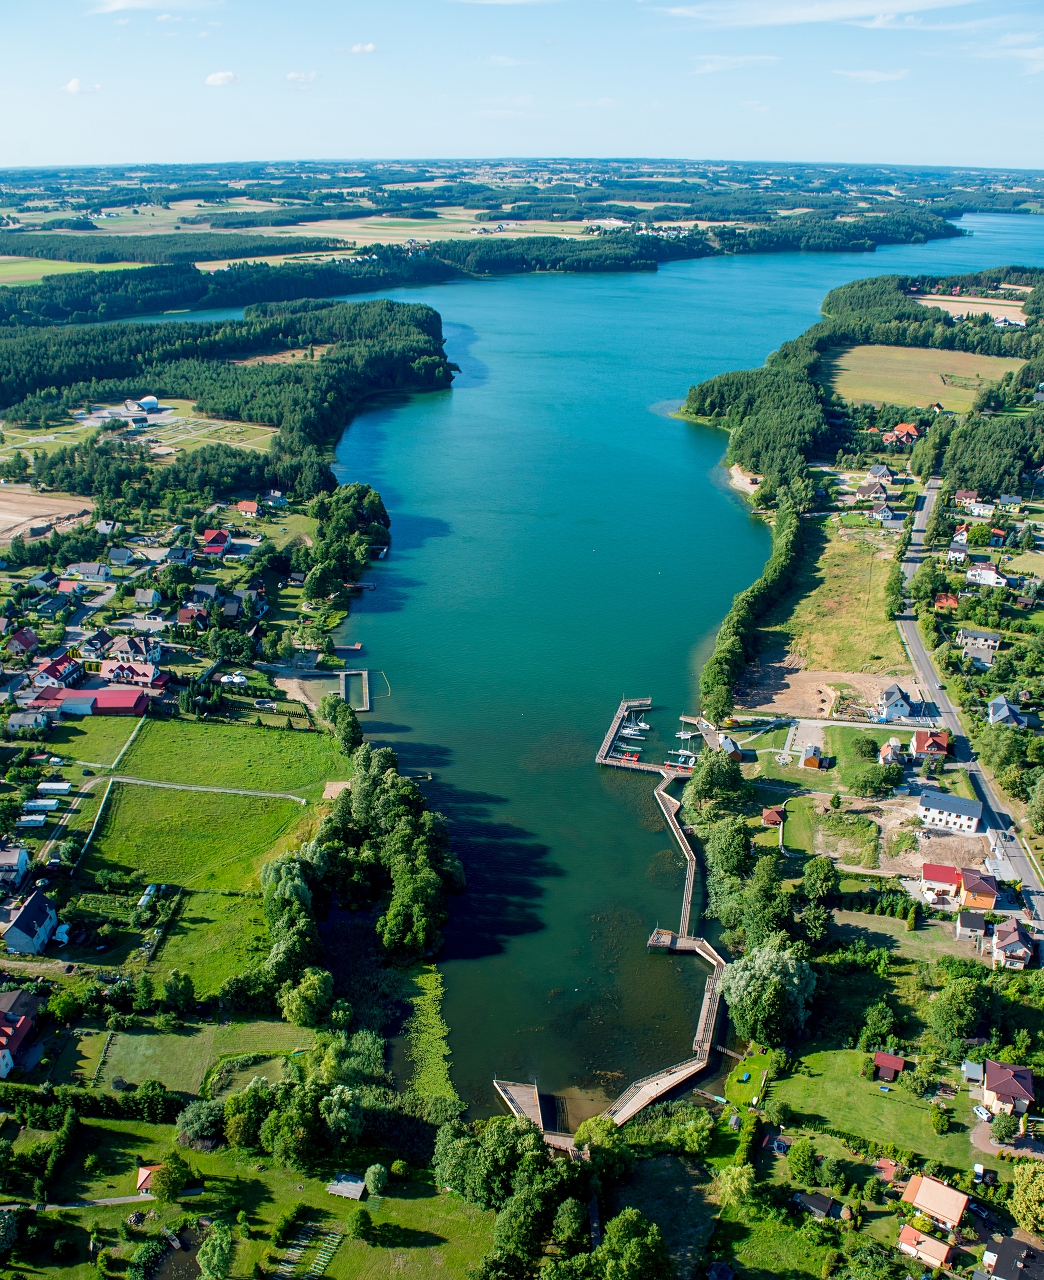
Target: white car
{"x": 983, "y": 1114}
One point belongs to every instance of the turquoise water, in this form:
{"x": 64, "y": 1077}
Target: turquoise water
{"x": 560, "y": 541}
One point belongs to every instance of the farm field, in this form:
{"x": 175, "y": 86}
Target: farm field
{"x": 915, "y": 375}
{"x": 94, "y": 740}
{"x": 212, "y": 937}
{"x": 214, "y": 755}
{"x": 197, "y": 839}
{"x": 33, "y": 270}
{"x": 833, "y": 615}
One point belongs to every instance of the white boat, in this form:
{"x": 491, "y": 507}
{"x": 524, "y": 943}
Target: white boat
{"x": 685, "y": 734}
{"x": 642, "y": 725}
{"x": 630, "y": 732}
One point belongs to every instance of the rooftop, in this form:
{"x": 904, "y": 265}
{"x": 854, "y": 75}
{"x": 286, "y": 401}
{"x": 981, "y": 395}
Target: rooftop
{"x": 951, "y": 804}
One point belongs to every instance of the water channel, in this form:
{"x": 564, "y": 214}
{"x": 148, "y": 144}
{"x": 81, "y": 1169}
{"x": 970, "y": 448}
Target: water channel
{"x": 560, "y": 541}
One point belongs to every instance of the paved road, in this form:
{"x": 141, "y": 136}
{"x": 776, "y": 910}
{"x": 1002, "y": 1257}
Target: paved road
{"x": 995, "y": 815}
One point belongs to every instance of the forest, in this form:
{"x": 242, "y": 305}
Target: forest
{"x": 195, "y": 247}
{"x": 378, "y": 345}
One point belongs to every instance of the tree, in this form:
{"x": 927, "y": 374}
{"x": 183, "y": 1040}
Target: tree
{"x": 714, "y": 777}
{"x": 63, "y": 1006}
{"x": 865, "y": 747}
{"x": 202, "y": 1122}
{"x": 1004, "y": 1128}
{"x": 360, "y": 1227}
{"x": 8, "y": 1231}
{"x": 376, "y": 1179}
{"x": 1028, "y": 541}
{"x": 342, "y": 1114}
{"x": 956, "y": 1010}
{"x": 179, "y": 993}
{"x": 144, "y": 994}
{"x": 879, "y": 1022}
{"x": 571, "y": 1227}
{"x": 633, "y": 1249}
{"x": 816, "y": 921}
{"x": 819, "y": 879}
{"x": 727, "y": 847}
{"x": 979, "y": 535}
{"x": 214, "y": 1256}
{"x": 801, "y": 1159}
{"x": 306, "y": 1004}
{"x": 835, "y": 800}
{"x": 168, "y": 1181}
{"x": 611, "y": 1156}
{"x": 1027, "y": 1198}
{"x": 768, "y": 991}
{"x": 735, "y": 1185}
{"x": 830, "y": 1171}
{"x": 1035, "y": 812}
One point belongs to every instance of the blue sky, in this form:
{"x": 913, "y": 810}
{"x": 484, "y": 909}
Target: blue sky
{"x": 920, "y": 82}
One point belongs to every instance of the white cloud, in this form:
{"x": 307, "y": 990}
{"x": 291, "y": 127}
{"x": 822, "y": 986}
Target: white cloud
{"x": 779, "y": 13}
{"x": 1016, "y": 46}
{"x": 218, "y": 79}
{"x": 76, "y": 85}
{"x": 364, "y": 48}
{"x": 168, "y": 17}
{"x": 500, "y": 60}
{"x": 301, "y": 78}
{"x": 873, "y": 77}
{"x": 712, "y": 62}
{"x": 118, "y": 6}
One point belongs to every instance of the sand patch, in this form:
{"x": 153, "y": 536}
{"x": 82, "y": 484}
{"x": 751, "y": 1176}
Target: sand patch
{"x": 995, "y": 307}
{"x": 23, "y": 511}
{"x": 777, "y": 684}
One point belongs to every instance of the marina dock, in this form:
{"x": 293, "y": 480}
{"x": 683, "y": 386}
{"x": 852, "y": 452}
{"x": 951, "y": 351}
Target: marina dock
{"x": 523, "y": 1100}
{"x": 343, "y": 676}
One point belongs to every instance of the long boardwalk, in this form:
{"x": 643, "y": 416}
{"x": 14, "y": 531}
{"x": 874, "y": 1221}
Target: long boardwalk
{"x": 649, "y": 1088}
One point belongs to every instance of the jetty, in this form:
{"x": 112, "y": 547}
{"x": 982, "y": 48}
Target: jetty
{"x": 343, "y": 676}
{"x": 524, "y": 1100}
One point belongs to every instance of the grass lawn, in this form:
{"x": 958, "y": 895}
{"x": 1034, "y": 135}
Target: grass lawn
{"x": 841, "y": 744}
{"x": 930, "y": 940}
{"x": 915, "y": 375}
{"x": 797, "y": 830}
{"x": 96, "y": 740}
{"x": 197, "y": 839}
{"x": 741, "y": 1092}
{"x": 213, "y": 937}
{"x": 215, "y": 755}
{"x": 835, "y": 1093}
{"x": 270, "y": 1069}
{"x": 833, "y": 614}
{"x": 33, "y": 270}
{"x": 760, "y": 1249}
{"x": 179, "y": 1059}
{"x": 256, "y": 1035}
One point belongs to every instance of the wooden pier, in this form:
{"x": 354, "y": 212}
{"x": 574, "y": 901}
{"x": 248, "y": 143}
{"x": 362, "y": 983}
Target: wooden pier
{"x": 343, "y": 675}
{"x": 523, "y": 1100}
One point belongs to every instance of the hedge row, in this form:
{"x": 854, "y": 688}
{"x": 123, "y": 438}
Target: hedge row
{"x": 150, "y": 1101}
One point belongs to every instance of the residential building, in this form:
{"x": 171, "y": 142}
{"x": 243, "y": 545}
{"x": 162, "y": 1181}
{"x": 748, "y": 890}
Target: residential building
{"x": 14, "y": 863}
{"x": 960, "y": 534}
{"x": 216, "y": 542}
{"x": 1009, "y": 502}
{"x": 891, "y": 753}
{"x": 932, "y": 1252}
{"x": 181, "y": 555}
{"x": 140, "y": 648}
{"x": 988, "y": 639}
{"x": 204, "y": 593}
{"x": 728, "y": 745}
{"x": 1012, "y": 946}
{"x": 191, "y": 613}
{"x": 44, "y": 581}
{"x": 970, "y": 926}
{"x": 1006, "y": 1087}
{"x": 978, "y": 890}
{"x": 1013, "y": 1259}
{"x": 230, "y": 610}
{"x": 887, "y": 1066}
{"x": 60, "y": 673}
{"x": 937, "y": 878}
{"x": 23, "y": 641}
{"x": 143, "y": 674}
{"x": 49, "y": 609}
{"x": 812, "y": 757}
{"x": 91, "y": 572}
{"x": 957, "y": 554}
{"x": 954, "y": 812}
{"x": 13, "y": 1034}
{"x": 27, "y": 928}
{"x": 997, "y": 537}
{"x": 979, "y": 656}
{"x": 880, "y": 472}
{"x": 817, "y": 1204}
{"x": 945, "y": 600}
{"x": 882, "y": 511}
{"x": 144, "y": 1179}
{"x": 107, "y": 528}
{"x": 985, "y": 575}
{"x": 121, "y": 557}
{"x": 248, "y": 509}
{"x": 66, "y": 587}
{"x": 905, "y": 433}
{"x": 893, "y": 703}
{"x": 95, "y": 645}
{"x": 944, "y": 1205}
{"x": 985, "y": 510}
{"x": 873, "y": 491}
{"x": 146, "y": 597}
{"x": 1000, "y": 711}
{"x": 965, "y": 497}
{"x": 27, "y": 720}
{"x": 930, "y": 744}
{"x": 274, "y": 498}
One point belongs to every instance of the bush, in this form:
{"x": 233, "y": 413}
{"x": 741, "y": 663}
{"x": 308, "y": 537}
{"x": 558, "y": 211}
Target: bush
{"x": 283, "y": 1226}
{"x": 941, "y": 1119}
{"x": 1004, "y": 1128}
{"x": 376, "y": 1179}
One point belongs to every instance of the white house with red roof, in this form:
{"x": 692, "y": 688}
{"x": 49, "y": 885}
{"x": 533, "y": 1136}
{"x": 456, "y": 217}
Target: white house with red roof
{"x": 929, "y": 743}
{"x": 146, "y": 675}
{"x": 938, "y": 879}
{"x": 23, "y": 641}
{"x": 216, "y": 542}
{"x": 1006, "y": 1087}
{"x": 59, "y": 673}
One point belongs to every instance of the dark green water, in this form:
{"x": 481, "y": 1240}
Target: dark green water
{"x": 560, "y": 541}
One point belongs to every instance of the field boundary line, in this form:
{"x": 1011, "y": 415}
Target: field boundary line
{"x": 137, "y": 730}
{"x": 221, "y": 791}
{"x": 94, "y": 826}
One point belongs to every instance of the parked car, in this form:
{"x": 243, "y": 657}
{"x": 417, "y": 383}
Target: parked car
{"x": 983, "y": 1114}
{"x": 978, "y": 1209}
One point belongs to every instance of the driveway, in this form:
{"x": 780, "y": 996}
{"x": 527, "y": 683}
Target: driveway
{"x": 980, "y": 1139}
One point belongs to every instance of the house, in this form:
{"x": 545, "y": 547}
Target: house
{"x": 936, "y": 810}
{"x": 960, "y": 534}
{"x": 274, "y": 498}
{"x": 297, "y": 579}
{"x": 891, "y": 753}
{"x": 190, "y": 613}
{"x": 1012, "y": 946}
{"x": 944, "y": 1205}
{"x": 107, "y": 528}
{"x": 988, "y": 639}
{"x": 906, "y": 433}
{"x": 812, "y": 758}
{"x": 144, "y": 1182}
{"x": 985, "y": 575}
{"x": 930, "y": 744}
{"x": 203, "y": 593}
{"x": 91, "y": 572}
{"x": 971, "y": 1071}
{"x": 121, "y": 557}
{"x": 44, "y": 581}
{"x": 773, "y": 817}
{"x": 970, "y": 925}
{"x": 938, "y": 878}
{"x": 181, "y": 555}
{"x": 146, "y": 597}
{"x": 49, "y": 609}
{"x": 94, "y": 646}
{"x": 980, "y": 657}
{"x": 816, "y": 1203}
{"x": 249, "y": 509}
{"x": 28, "y": 928}
{"x": 59, "y": 674}
{"x": 1014, "y": 1259}
{"x": 893, "y": 703}
{"x": 881, "y": 473}
{"x": 34, "y": 720}
{"x": 965, "y": 497}
{"x": 1006, "y": 1088}
{"x": 145, "y": 675}
{"x": 726, "y": 744}
{"x": 66, "y": 587}
{"x": 216, "y": 542}
{"x": 873, "y": 491}
{"x": 1009, "y": 502}
{"x": 978, "y": 890}
{"x": 13, "y": 1034}
{"x": 983, "y": 509}
{"x": 882, "y": 511}
{"x": 230, "y": 610}
{"x": 23, "y": 641}
{"x": 944, "y": 600}
{"x": 997, "y": 537}
{"x": 887, "y": 1066}
{"x": 143, "y": 648}
{"x": 1001, "y": 711}
{"x": 957, "y": 553}
{"x": 935, "y": 1253}
{"x": 14, "y": 863}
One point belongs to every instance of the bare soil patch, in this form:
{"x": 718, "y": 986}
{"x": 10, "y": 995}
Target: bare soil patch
{"x": 995, "y": 307}
{"x": 778, "y": 683}
{"x": 286, "y": 357}
{"x": 23, "y": 510}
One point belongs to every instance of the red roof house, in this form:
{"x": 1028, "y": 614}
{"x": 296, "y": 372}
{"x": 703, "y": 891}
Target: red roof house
{"x": 888, "y": 1066}
{"x": 144, "y": 674}
{"x": 773, "y": 817}
{"x": 145, "y": 1173}
{"x": 216, "y": 542}
{"x": 23, "y": 641}
{"x": 247, "y": 508}
{"x": 929, "y": 742}
{"x": 940, "y": 879}
{"x": 13, "y": 1032}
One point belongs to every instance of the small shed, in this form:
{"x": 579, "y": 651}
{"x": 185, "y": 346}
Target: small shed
{"x": 145, "y": 1178}
{"x": 348, "y": 1185}
{"x": 773, "y": 817}
{"x": 812, "y": 757}
{"x": 971, "y": 1072}
{"x": 887, "y": 1066}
